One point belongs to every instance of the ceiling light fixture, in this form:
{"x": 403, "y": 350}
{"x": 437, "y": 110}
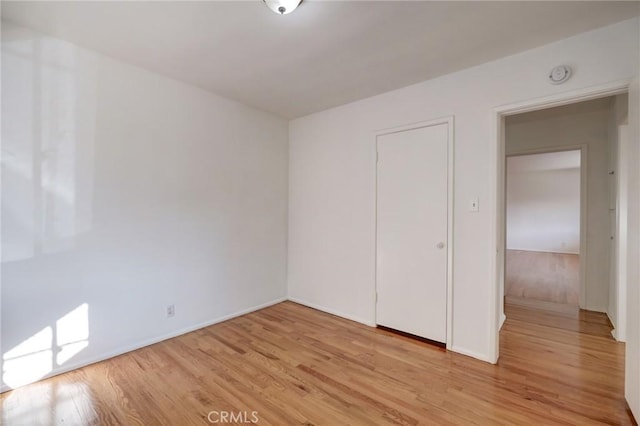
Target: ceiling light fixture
{"x": 282, "y": 7}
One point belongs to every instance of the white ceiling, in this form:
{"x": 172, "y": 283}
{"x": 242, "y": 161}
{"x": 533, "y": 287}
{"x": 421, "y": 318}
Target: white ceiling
{"x": 324, "y": 54}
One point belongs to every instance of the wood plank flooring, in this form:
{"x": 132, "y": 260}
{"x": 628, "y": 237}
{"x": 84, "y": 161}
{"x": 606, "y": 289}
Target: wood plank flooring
{"x": 293, "y": 365}
{"x": 547, "y": 277}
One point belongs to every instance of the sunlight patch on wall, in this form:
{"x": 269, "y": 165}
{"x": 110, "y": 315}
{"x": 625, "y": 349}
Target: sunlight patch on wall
{"x": 30, "y": 360}
{"x": 37, "y": 356}
{"x": 72, "y": 333}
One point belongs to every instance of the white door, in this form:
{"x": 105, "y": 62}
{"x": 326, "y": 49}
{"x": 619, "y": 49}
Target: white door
{"x": 411, "y": 264}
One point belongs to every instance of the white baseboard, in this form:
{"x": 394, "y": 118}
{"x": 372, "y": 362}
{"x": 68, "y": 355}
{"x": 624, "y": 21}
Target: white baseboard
{"x": 151, "y": 341}
{"x": 332, "y": 311}
{"x": 472, "y": 354}
{"x": 189, "y": 329}
{"x": 615, "y": 332}
{"x": 503, "y": 318}
{"x": 453, "y": 348}
{"x": 543, "y": 251}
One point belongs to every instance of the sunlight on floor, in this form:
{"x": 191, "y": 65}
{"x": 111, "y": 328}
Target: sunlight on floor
{"x": 48, "y": 403}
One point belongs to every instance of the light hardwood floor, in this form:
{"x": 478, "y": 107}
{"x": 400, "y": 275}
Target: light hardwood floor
{"x": 297, "y": 366}
{"x": 547, "y": 277}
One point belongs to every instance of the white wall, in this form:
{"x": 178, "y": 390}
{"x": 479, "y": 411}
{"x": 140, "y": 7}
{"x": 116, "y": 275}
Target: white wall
{"x": 632, "y": 353}
{"x": 332, "y": 176}
{"x": 543, "y": 209}
{"x": 567, "y": 126}
{"x": 123, "y": 192}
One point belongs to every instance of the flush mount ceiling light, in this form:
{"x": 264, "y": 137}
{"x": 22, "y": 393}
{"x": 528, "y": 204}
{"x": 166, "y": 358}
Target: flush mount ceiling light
{"x": 282, "y": 7}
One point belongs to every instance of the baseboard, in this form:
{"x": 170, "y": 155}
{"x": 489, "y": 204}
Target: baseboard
{"x": 472, "y": 354}
{"x": 630, "y": 413}
{"x": 503, "y": 318}
{"x": 615, "y": 333}
{"x": 332, "y": 311}
{"x": 463, "y": 351}
{"x": 123, "y": 350}
{"x": 544, "y": 251}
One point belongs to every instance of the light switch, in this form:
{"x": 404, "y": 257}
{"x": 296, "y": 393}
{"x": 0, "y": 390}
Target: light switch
{"x": 474, "y": 205}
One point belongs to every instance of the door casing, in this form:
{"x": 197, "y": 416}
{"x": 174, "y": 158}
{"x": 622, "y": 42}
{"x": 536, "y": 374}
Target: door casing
{"x": 497, "y": 195}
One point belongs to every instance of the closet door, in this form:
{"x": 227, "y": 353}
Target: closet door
{"x": 411, "y": 264}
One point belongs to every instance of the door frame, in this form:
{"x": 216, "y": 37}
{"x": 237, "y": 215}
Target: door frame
{"x": 621, "y": 240}
{"x": 449, "y": 121}
{"x": 583, "y": 148}
{"x": 497, "y": 195}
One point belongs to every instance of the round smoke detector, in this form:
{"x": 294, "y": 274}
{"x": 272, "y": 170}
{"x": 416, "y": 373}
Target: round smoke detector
{"x": 559, "y": 74}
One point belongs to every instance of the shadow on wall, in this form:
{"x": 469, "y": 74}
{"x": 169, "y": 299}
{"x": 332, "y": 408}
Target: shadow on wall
{"x": 47, "y": 186}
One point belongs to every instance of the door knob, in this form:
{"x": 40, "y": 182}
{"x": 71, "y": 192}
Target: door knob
{"x": 440, "y": 245}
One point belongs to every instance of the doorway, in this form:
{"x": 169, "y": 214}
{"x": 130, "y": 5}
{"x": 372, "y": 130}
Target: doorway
{"x": 600, "y": 299}
{"x": 544, "y": 213}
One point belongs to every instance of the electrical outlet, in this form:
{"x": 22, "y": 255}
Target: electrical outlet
{"x": 171, "y": 310}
